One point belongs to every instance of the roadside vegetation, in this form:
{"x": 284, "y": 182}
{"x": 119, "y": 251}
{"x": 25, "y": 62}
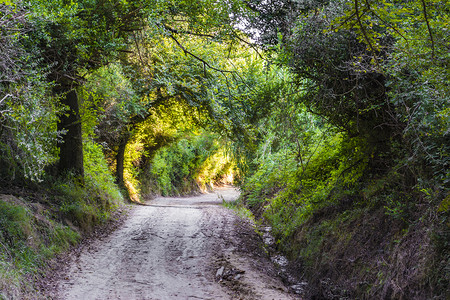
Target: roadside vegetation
{"x": 350, "y": 164}
{"x": 331, "y": 117}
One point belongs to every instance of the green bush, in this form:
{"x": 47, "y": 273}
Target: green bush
{"x": 92, "y": 202}
{"x": 98, "y": 178}
{"x": 192, "y": 163}
{"x": 290, "y": 194}
{"x": 28, "y": 111}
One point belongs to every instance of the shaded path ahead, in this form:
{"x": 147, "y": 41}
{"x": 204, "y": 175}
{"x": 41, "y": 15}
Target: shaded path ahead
{"x": 175, "y": 248}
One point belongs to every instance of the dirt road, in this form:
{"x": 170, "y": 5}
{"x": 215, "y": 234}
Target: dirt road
{"x": 175, "y": 248}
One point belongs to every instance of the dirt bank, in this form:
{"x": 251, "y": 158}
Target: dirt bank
{"x": 175, "y": 248}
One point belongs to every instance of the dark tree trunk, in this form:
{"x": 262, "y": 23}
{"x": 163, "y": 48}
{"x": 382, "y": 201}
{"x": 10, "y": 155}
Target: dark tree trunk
{"x": 125, "y": 136}
{"x": 71, "y": 146}
{"x": 120, "y": 160}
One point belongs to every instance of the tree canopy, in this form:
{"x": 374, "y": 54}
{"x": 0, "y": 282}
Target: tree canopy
{"x": 327, "y": 114}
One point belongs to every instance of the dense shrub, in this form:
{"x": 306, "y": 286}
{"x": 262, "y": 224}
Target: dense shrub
{"x": 193, "y": 163}
{"x": 93, "y": 201}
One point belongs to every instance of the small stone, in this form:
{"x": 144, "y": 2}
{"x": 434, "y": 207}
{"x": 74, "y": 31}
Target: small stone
{"x": 237, "y": 277}
{"x": 219, "y": 272}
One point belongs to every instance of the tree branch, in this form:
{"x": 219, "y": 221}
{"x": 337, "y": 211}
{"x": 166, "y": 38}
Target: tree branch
{"x": 6, "y": 96}
{"x": 386, "y": 23}
{"x": 176, "y": 31}
{"x": 205, "y": 63}
{"x": 365, "y": 34}
{"x": 424, "y": 6}
{"x": 253, "y": 46}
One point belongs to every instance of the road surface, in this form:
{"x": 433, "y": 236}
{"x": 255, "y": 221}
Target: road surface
{"x": 175, "y": 248}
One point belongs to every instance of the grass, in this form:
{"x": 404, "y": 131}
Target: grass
{"x": 239, "y": 208}
{"x": 28, "y": 238}
{"x": 39, "y": 223}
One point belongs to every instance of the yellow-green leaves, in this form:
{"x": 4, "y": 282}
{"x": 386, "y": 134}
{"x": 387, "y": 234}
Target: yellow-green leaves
{"x": 6, "y": 2}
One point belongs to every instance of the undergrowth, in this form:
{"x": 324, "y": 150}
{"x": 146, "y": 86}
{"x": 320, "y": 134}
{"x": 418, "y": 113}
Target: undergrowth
{"x": 93, "y": 201}
{"x": 48, "y": 219}
{"x": 29, "y": 238}
{"x": 356, "y": 233}
{"x": 241, "y": 210}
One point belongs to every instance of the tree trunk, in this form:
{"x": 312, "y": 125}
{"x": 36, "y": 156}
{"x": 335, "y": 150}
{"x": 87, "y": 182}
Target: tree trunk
{"x": 120, "y": 157}
{"x": 71, "y": 146}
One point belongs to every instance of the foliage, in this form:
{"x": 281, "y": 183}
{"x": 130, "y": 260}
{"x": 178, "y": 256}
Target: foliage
{"x": 84, "y": 34}
{"x": 99, "y": 180}
{"x": 415, "y": 65}
{"x": 195, "y": 161}
{"x": 28, "y": 134}
{"x": 165, "y": 124}
{"x": 290, "y": 194}
{"x": 373, "y": 69}
{"x": 109, "y": 103}
{"x": 187, "y": 91}
{"x": 342, "y": 122}
{"x": 93, "y": 202}
{"x": 28, "y": 238}
{"x": 27, "y": 111}
{"x": 218, "y": 168}
{"x": 378, "y": 152}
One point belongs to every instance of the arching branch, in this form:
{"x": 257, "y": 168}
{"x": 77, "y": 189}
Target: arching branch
{"x": 204, "y": 62}
{"x": 425, "y": 15}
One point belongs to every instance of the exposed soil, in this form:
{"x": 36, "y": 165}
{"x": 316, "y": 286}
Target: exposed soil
{"x": 175, "y": 248}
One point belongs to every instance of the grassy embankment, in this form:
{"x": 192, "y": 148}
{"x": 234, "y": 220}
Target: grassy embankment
{"x": 355, "y": 230}
{"x": 39, "y": 221}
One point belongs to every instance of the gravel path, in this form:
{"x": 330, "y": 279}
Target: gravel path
{"x": 175, "y": 248}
